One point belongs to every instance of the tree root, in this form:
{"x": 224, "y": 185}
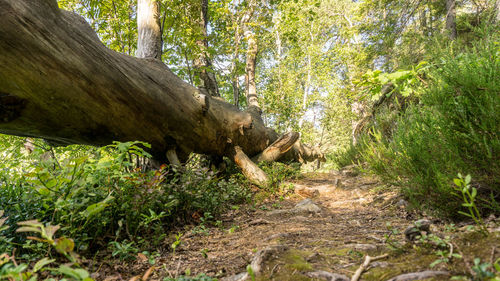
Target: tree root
{"x": 418, "y": 275}
{"x": 365, "y": 264}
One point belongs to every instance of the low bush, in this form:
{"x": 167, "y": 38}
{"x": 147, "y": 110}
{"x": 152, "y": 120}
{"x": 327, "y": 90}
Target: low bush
{"x": 453, "y": 128}
{"x": 102, "y": 194}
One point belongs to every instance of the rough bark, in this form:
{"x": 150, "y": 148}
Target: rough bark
{"x": 451, "y": 13}
{"x": 148, "y": 25}
{"x": 251, "y": 88}
{"x": 60, "y": 83}
{"x": 251, "y": 59}
{"x": 235, "y": 82}
{"x": 248, "y": 167}
{"x": 277, "y": 148}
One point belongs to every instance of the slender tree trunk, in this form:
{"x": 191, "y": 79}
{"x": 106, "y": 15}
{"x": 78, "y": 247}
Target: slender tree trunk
{"x": 497, "y": 11}
{"x": 251, "y": 88}
{"x": 235, "y": 81}
{"x": 251, "y": 59}
{"x": 307, "y": 87}
{"x": 148, "y": 25}
{"x": 202, "y": 64}
{"x": 451, "y": 13}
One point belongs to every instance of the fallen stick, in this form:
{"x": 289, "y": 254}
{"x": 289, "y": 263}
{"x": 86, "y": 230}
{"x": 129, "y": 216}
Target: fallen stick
{"x": 365, "y": 264}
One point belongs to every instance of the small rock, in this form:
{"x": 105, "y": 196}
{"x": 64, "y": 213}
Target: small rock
{"x": 337, "y": 183}
{"x": 419, "y": 275}
{"x": 402, "y": 204}
{"x": 238, "y": 277}
{"x": 306, "y": 206}
{"x": 328, "y": 276}
{"x": 277, "y": 236}
{"x": 265, "y": 254}
{"x": 258, "y": 222}
{"x": 362, "y": 247}
{"x": 422, "y": 225}
{"x": 302, "y": 219}
{"x": 335, "y": 172}
{"x": 307, "y": 192}
{"x": 349, "y": 171}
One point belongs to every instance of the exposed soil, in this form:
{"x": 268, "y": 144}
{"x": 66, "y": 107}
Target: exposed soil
{"x": 359, "y": 216}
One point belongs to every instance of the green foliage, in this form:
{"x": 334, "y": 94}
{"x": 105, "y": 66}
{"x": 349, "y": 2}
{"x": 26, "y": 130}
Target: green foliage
{"x": 107, "y": 193}
{"x": 176, "y": 243}
{"x": 485, "y": 271}
{"x": 404, "y": 82}
{"x": 278, "y": 172}
{"x": 124, "y": 250}
{"x": 453, "y": 127}
{"x": 469, "y": 195}
{"x": 12, "y": 270}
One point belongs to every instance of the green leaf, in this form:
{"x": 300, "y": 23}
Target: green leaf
{"x": 457, "y": 182}
{"x": 64, "y": 245}
{"x": 474, "y": 193}
{"x": 467, "y": 179}
{"x": 41, "y": 263}
{"x": 436, "y": 262}
{"x": 51, "y": 183}
{"x": 33, "y": 223}
{"x": 2, "y": 221}
{"x": 497, "y": 265}
{"x": 28, "y": 229}
{"x": 50, "y": 230}
{"x": 96, "y": 208}
{"x": 75, "y": 273}
{"x": 465, "y": 214}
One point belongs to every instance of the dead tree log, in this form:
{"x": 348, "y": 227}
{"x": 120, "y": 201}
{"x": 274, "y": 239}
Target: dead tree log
{"x": 60, "y": 83}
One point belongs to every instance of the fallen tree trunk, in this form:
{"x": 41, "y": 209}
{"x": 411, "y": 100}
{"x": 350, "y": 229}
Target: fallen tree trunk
{"x": 60, "y": 83}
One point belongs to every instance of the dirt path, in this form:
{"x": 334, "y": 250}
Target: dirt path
{"x": 297, "y": 243}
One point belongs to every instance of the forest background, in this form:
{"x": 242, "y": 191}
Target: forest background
{"x": 406, "y": 90}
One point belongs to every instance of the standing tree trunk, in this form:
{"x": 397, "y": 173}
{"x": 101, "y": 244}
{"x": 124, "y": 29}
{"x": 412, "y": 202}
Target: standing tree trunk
{"x": 251, "y": 59}
{"x": 148, "y": 25}
{"x": 235, "y": 81}
{"x": 451, "y": 15}
{"x": 202, "y": 65}
{"x": 251, "y": 88}
{"x": 497, "y": 11}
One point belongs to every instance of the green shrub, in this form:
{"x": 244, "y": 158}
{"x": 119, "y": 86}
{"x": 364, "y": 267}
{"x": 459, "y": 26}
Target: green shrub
{"x": 454, "y": 128}
{"x": 104, "y": 195}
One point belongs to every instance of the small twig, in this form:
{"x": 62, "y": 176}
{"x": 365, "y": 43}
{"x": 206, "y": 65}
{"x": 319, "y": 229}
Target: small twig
{"x": 376, "y": 238}
{"x": 450, "y": 255}
{"x": 274, "y": 268}
{"x": 365, "y": 264}
{"x": 177, "y": 270}
{"x": 347, "y": 265}
{"x": 492, "y": 257}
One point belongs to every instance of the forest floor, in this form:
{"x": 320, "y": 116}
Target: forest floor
{"x": 322, "y": 230}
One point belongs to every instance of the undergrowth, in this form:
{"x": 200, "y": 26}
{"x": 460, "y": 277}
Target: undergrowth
{"x": 100, "y": 195}
{"x": 107, "y": 200}
{"x": 454, "y": 127}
